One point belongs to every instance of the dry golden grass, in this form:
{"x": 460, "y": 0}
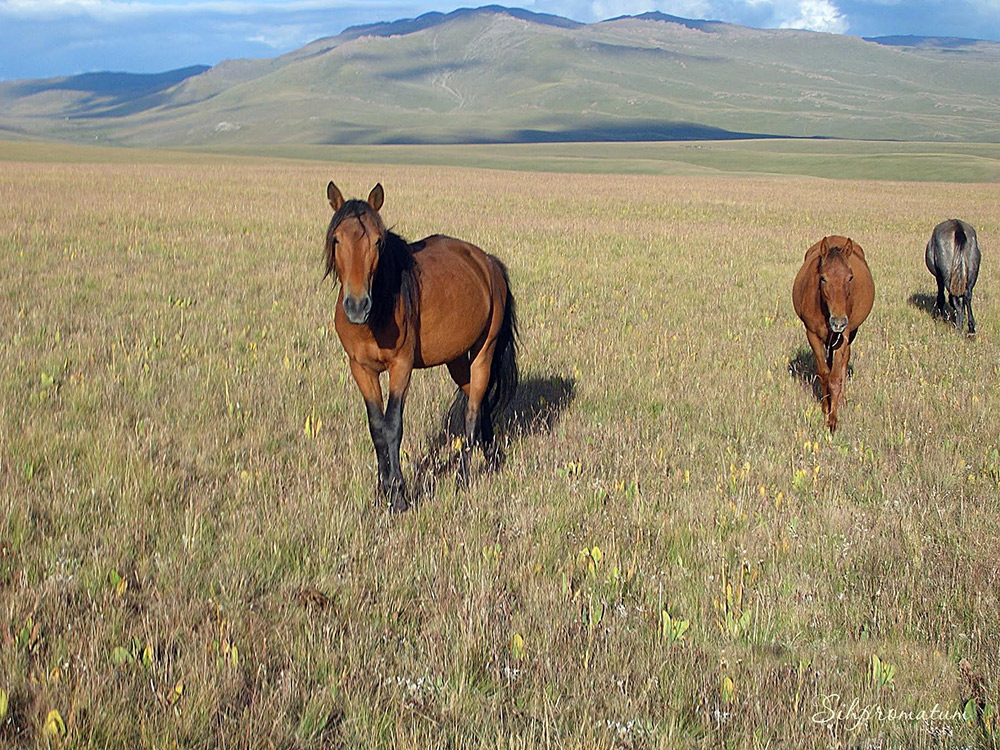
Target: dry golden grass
{"x": 183, "y": 562}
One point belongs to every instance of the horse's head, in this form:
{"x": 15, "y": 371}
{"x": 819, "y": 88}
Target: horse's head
{"x": 354, "y": 240}
{"x": 835, "y": 284}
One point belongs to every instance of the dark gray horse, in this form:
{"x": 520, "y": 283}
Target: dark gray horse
{"x": 953, "y": 257}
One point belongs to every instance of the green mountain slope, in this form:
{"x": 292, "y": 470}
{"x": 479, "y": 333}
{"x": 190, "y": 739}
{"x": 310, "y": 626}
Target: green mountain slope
{"x": 493, "y": 74}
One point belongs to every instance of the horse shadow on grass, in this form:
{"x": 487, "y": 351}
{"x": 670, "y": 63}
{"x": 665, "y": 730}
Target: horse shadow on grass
{"x": 926, "y": 303}
{"x": 802, "y": 367}
{"x": 535, "y": 409}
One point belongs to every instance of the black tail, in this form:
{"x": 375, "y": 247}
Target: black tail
{"x": 504, "y": 374}
{"x": 958, "y": 278}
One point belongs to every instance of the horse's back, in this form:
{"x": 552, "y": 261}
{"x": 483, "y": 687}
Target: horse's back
{"x": 461, "y": 287}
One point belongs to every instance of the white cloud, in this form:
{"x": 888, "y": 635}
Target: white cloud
{"x": 817, "y": 15}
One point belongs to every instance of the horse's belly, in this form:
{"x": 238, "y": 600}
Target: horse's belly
{"x": 446, "y": 334}
{"x": 455, "y": 301}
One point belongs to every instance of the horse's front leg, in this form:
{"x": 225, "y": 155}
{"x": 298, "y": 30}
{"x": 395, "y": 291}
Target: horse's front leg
{"x": 371, "y": 392}
{"x": 399, "y": 383}
{"x": 838, "y": 382}
{"x": 822, "y": 368}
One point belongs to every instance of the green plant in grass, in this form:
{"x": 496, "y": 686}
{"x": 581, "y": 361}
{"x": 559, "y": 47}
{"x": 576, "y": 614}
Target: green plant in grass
{"x": 982, "y": 715}
{"x": 727, "y": 689}
{"x": 672, "y": 629}
{"x": 881, "y": 674}
{"x": 54, "y": 728}
{"x": 733, "y": 613}
{"x": 517, "y": 647}
{"x": 119, "y": 585}
{"x": 135, "y": 653}
{"x": 801, "y": 670}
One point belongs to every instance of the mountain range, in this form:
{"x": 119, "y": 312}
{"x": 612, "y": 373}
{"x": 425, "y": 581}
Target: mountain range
{"x": 496, "y": 74}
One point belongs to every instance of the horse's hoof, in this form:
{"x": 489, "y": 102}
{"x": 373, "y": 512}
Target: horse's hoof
{"x": 394, "y": 495}
{"x": 400, "y": 506}
{"x": 494, "y": 459}
{"x": 398, "y": 502}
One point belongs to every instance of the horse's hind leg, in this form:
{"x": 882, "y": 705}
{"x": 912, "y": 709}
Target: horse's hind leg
{"x": 460, "y": 371}
{"x": 968, "y": 312}
{"x": 957, "y": 305}
{"x": 939, "y": 308}
{"x": 475, "y": 432}
{"x": 483, "y": 434}
{"x": 491, "y": 451}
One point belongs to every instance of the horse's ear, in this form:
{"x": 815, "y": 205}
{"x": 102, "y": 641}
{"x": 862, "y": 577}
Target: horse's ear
{"x": 376, "y": 197}
{"x": 333, "y": 195}
{"x": 848, "y": 248}
{"x": 824, "y": 248}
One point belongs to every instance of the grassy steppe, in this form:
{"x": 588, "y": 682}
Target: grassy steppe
{"x": 190, "y": 555}
{"x": 860, "y": 160}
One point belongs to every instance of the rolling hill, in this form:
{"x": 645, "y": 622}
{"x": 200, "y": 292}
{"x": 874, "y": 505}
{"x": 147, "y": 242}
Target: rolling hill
{"x": 495, "y": 74}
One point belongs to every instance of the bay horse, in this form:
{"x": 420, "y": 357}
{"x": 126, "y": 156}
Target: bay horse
{"x": 953, "y": 256}
{"x": 833, "y": 294}
{"x": 405, "y": 306}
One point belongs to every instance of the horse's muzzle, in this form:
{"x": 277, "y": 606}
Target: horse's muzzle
{"x": 838, "y": 324}
{"x": 358, "y": 309}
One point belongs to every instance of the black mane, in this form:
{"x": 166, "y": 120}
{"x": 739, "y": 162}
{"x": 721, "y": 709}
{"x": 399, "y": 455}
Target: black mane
{"x": 396, "y": 276}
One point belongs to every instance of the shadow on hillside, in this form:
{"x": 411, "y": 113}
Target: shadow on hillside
{"x": 589, "y": 132}
{"x": 535, "y": 409}
{"x": 113, "y": 94}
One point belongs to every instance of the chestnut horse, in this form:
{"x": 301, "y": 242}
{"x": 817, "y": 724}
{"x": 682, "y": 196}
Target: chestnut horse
{"x": 403, "y": 306}
{"x": 833, "y": 293}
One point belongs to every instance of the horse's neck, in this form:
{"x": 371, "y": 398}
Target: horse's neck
{"x": 396, "y": 280}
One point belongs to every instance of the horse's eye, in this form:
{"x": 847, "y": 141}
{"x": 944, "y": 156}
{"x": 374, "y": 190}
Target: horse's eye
{"x": 850, "y": 279}
{"x": 822, "y": 279}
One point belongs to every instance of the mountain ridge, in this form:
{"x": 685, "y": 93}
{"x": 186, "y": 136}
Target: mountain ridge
{"x": 496, "y": 74}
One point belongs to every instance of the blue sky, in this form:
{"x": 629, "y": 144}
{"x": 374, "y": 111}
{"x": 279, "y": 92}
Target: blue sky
{"x": 42, "y": 38}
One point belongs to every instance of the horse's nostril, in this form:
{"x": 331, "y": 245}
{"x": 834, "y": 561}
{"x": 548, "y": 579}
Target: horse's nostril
{"x": 358, "y": 308}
